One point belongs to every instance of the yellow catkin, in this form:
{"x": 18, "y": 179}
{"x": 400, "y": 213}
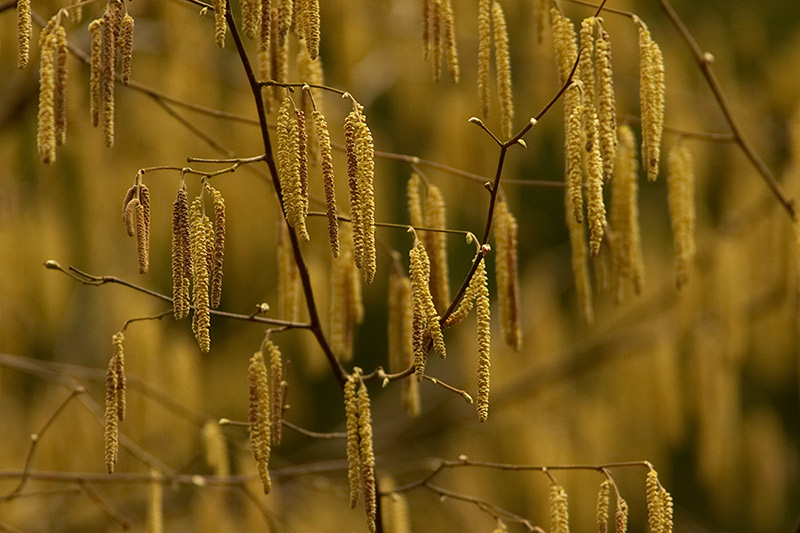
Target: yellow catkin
{"x": 564, "y": 45}
{"x": 595, "y": 206}
{"x": 218, "y": 247}
{"x": 110, "y": 30}
{"x": 395, "y": 513}
{"x": 275, "y": 391}
{"x": 400, "y": 337}
{"x": 118, "y": 363}
{"x": 111, "y": 439}
{"x": 366, "y": 455}
{"x": 279, "y": 59}
{"x": 606, "y": 103}
{"x": 436, "y": 39}
{"x": 655, "y": 508}
{"x": 559, "y": 511}
{"x": 415, "y": 200}
{"x": 449, "y": 36}
{"x": 505, "y": 235}
{"x": 419, "y": 292}
{"x": 580, "y": 267}
{"x": 289, "y": 168}
{"x": 201, "y": 320}
{"x": 302, "y": 153}
{"x": 181, "y": 255}
{"x": 484, "y": 345}
{"x": 251, "y": 17}
{"x": 420, "y": 288}
{"x": 220, "y": 24}
{"x": 60, "y": 102}
{"x": 285, "y": 14}
{"x": 435, "y": 216}
{"x": 129, "y": 195}
{"x": 155, "y": 503}
{"x": 484, "y": 54}
{"x": 603, "y": 502}
{"x": 289, "y": 291}
{"x": 216, "y": 449}
{"x": 427, "y": 7}
{"x": 680, "y": 196}
{"x": 311, "y": 31}
{"x": 468, "y": 299}
{"x": 502, "y": 58}
{"x": 353, "y": 455}
{"x": 651, "y": 96}
{"x": 326, "y": 158}
{"x": 259, "y": 422}
{"x": 143, "y": 230}
{"x": 350, "y": 124}
{"x": 574, "y": 163}
{"x": 129, "y": 216}
{"x": 96, "y": 71}
{"x": 666, "y": 506}
{"x": 24, "y": 32}
{"x": 621, "y": 516}
{"x": 625, "y": 214}
{"x": 46, "y": 136}
{"x": 126, "y": 46}
{"x": 586, "y": 66}
{"x": 366, "y": 191}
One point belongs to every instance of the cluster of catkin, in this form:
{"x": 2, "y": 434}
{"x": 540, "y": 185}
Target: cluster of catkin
{"x": 198, "y": 251}
{"x": 112, "y": 36}
{"x": 360, "y": 457}
{"x": 266, "y": 408}
{"x": 136, "y": 216}
{"x": 115, "y": 401}
{"x": 262, "y": 20}
{"x": 52, "y": 119}
{"x": 492, "y": 28}
{"x": 439, "y": 38}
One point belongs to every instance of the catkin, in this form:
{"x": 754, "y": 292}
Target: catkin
{"x": 559, "y": 512}
{"x": 324, "y": 137}
{"x": 352, "y": 180}
{"x": 290, "y": 168}
{"x": 423, "y": 301}
{"x": 216, "y": 449}
{"x": 201, "y": 320}
{"x": 366, "y": 191}
{"x": 143, "y": 229}
{"x": 311, "y": 29}
{"x": 46, "y": 135}
{"x": 129, "y": 215}
{"x": 400, "y": 337}
{"x": 181, "y": 255}
{"x": 484, "y": 53}
{"x": 448, "y": 29}
{"x": 366, "y": 455}
{"x": 126, "y": 213}
{"x": 580, "y": 267}
{"x": 603, "y": 501}
{"x": 540, "y": 16}
{"x": 484, "y": 345}
{"x": 24, "y": 32}
{"x": 108, "y": 56}
{"x": 126, "y": 46}
{"x": 285, "y": 14}
{"x": 566, "y": 49}
{"x": 680, "y": 196}
{"x": 655, "y": 510}
{"x": 220, "y": 24}
{"x": 111, "y": 438}
{"x": 435, "y": 216}
{"x": 275, "y": 391}
{"x": 574, "y": 162}
{"x": 606, "y": 103}
{"x": 651, "y": 96}
{"x": 118, "y": 362}
{"x": 621, "y": 516}
{"x": 426, "y": 28}
{"x": 502, "y": 58}
{"x": 60, "y": 99}
{"x": 586, "y": 67}
{"x": 436, "y": 35}
{"x": 353, "y": 455}
{"x": 218, "y": 247}
{"x": 251, "y": 17}
{"x": 96, "y": 71}
{"x": 259, "y": 411}
{"x": 155, "y": 503}
{"x": 302, "y": 152}
{"x": 415, "y": 200}
{"x": 595, "y": 208}
{"x": 468, "y": 299}
{"x": 505, "y": 235}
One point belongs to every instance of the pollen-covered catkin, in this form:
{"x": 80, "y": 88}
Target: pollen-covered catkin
{"x": 120, "y": 381}
{"x": 505, "y": 235}
{"x": 126, "y": 46}
{"x": 24, "y": 32}
{"x": 651, "y": 96}
{"x": 108, "y": 55}
{"x": 220, "y": 24}
{"x": 353, "y": 455}
{"x": 60, "y": 102}
{"x": 352, "y": 180}
{"x": 680, "y": 196}
{"x": 365, "y": 151}
{"x": 484, "y": 53}
{"x": 96, "y": 71}
{"x": 603, "y": 501}
{"x": 285, "y": 14}
{"x": 625, "y": 214}
{"x": 468, "y": 299}
{"x": 574, "y": 162}
{"x": 181, "y": 255}
{"x": 435, "y": 216}
{"x": 482, "y": 309}
{"x": 275, "y": 391}
{"x": 126, "y": 213}
{"x": 566, "y": 49}
{"x": 260, "y": 425}
{"x": 289, "y": 168}
{"x": 326, "y": 159}
{"x": 415, "y": 200}
{"x": 366, "y": 455}
{"x": 448, "y": 29}
{"x": 595, "y": 208}
{"x": 420, "y": 287}
{"x": 502, "y": 58}
{"x": 606, "y": 103}
{"x": 216, "y": 449}
{"x": 311, "y": 27}
{"x": 129, "y": 215}
{"x": 218, "y": 247}
{"x": 436, "y": 37}
{"x": 655, "y": 509}
{"x": 111, "y": 437}
{"x": 559, "y": 512}
{"x": 302, "y": 154}
{"x": 251, "y": 17}
{"x": 201, "y": 320}
{"x": 143, "y": 229}
{"x": 46, "y": 136}
{"x": 621, "y": 516}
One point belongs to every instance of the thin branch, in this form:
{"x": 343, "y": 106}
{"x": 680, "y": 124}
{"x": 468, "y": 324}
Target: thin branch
{"x": 486, "y": 506}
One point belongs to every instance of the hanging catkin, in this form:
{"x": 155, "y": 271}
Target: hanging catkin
{"x": 113, "y": 409}
{"x": 606, "y": 103}
{"x": 251, "y": 17}
{"x": 680, "y": 195}
{"x": 505, "y": 235}
{"x": 502, "y": 58}
{"x": 423, "y": 306}
{"x": 143, "y": 229}
{"x": 60, "y": 99}
{"x": 595, "y": 206}
{"x": 96, "y": 71}
{"x": 574, "y": 161}
{"x": 484, "y": 344}
{"x": 311, "y": 27}
{"x": 216, "y": 449}
{"x": 126, "y": 46}
{"x": 651, "y": 96}
{"x": 436, "y": 38}
{"x": 259, "y": 422}
{"x": 328, "y": 183}
{"x": 181, "y": 255}
{"x": 46, "y": 135}
{"x": 415, "y": 200}
{"x": 220, "y": 24}
{"x": 201, "y": 320}
{"x": 484, "y": 54}
{"x": 580, "y": 267}
{"x": 448, "y": 29}
{"x": 108, "y": 57}
{"x": 218, "y": 247}
{"x": 290, "y": 158}
{"x": 395, "y": 514}
{"x": 655, "y": 509}
{"x": 603, "y": 502}
{"x": 435, "y": 216}
{"x": 564, "y": 45}
{"x": 353, "y": 455}
{"x": 275, "y": 391}
{"x": 118, "y": 364}
{"x": 366, "y": 455}
{"x": 350, "y": 124}
{"x": 366, "y": 173}
{"x": 621, "y": 516}
{"x": 285, "y": 15}
{"x": 24, "y": 32}
{"x": 468, "y": 299}
{"x": 559, "y": 513}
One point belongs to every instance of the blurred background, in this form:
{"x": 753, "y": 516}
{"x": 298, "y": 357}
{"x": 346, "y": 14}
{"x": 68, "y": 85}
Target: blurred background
{"x": 701, "y": 382}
